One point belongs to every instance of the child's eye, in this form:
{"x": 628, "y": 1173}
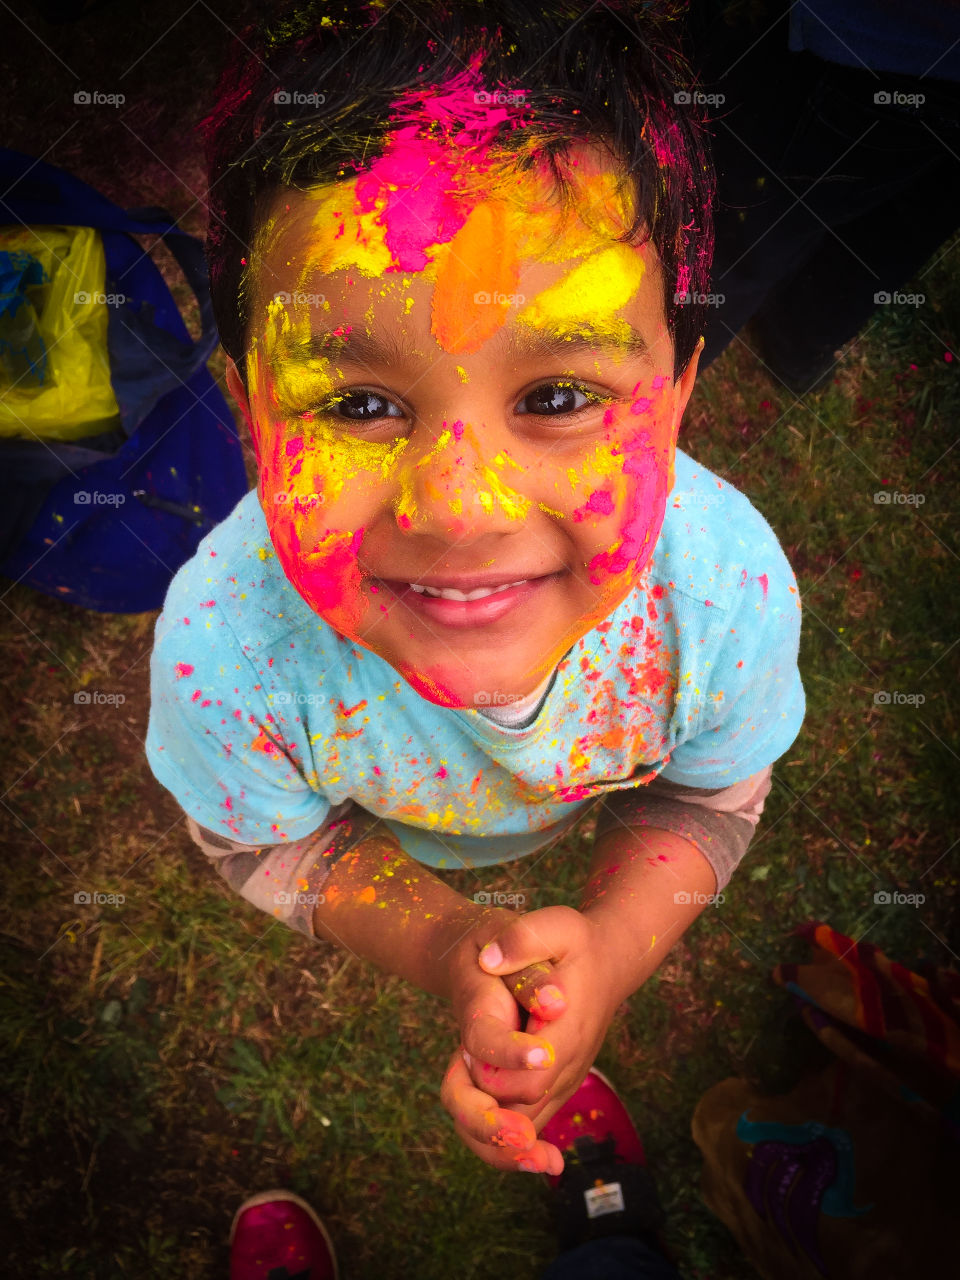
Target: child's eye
{"x": 362, "y": 406}
{"x": 555, "y": 398}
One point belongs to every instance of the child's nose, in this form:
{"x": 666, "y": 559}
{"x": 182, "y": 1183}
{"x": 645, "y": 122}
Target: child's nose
{"x": 456, "y": 488}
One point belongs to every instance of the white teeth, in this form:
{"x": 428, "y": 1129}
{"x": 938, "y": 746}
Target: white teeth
{"x": 451, "y": 593}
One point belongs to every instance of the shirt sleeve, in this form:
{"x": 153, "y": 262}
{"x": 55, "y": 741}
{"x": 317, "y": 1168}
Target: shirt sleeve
{"x": 286, "y": 880}
{"x": 746, "y": 688}
{"x": 212, "y": 738}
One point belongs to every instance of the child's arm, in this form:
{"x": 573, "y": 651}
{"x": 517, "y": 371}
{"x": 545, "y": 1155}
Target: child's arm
{"x": 645, "y": 888}
{"x": 660, "y": 855}
{"x": 646, "y": 885}
{"x": 385, "y": 907}
{"x": 351, "y": 883}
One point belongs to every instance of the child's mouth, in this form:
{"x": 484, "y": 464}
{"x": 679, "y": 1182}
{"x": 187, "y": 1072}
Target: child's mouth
{"x": 462, "y": 606}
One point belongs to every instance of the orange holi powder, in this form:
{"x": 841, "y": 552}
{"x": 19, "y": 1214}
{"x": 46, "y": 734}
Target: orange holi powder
{"x": 476, "y": 281}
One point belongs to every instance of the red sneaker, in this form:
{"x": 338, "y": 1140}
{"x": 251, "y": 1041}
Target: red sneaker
{"x": 605, "y": 1188}
{"x": 277, "y": 1236}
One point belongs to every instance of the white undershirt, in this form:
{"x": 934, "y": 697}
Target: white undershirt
{"x": 519, "y": 714}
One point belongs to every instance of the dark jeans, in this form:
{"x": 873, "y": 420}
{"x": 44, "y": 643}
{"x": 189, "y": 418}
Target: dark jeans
{"x": 612, "y": 1258}
{"x": 825, "y": 197}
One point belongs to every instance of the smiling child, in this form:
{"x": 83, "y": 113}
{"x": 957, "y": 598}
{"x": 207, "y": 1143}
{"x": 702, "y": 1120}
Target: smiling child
{"x": 479, "y": 592}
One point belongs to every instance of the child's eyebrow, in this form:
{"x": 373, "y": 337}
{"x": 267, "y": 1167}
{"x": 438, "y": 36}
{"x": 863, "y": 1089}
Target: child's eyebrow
{"x": 525, "y": 343}
{"x": 624, "y": 340}
{"x": 364, "y": 347}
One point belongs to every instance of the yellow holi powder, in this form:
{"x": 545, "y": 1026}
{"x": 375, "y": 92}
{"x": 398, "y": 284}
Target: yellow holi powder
{"x": 329, "y": 458}
{"x": 559, "y": 515}
{"x": 362, "y": 243}
{"x": 495, "y": 493}
{"x": 462, "y": 374}
{"x": 513, "y": 504}
{"x": 595, "y": 289}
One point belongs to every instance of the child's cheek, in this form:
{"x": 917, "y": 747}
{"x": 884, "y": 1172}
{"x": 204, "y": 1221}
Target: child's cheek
{"x": 627, "y": 509}
{"x": 324, "y": 568}
{"x": 320, "y": 559}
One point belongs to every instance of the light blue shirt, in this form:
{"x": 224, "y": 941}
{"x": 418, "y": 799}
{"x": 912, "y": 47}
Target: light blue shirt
{"x": 262, "y": 717}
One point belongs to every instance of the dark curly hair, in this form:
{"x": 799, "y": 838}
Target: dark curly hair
{"x": 605, "y": 73}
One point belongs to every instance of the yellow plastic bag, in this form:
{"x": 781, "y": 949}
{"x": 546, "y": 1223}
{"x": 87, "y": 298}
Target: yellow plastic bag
{"x": 67, "y": 394}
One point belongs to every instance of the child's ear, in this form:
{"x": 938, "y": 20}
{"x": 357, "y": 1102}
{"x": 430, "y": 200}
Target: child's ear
{"x": 682, "y": 389}
{"x": 238, "y": 391}
{"x": 686, "y": 382}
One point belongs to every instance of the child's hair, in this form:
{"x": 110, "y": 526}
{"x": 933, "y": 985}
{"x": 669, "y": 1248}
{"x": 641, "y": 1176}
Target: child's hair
{"x": 307, "y": 96}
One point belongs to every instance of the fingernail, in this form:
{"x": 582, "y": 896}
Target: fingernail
{"x": 537, "y": 1057}
{"x": 491, "y": 955}
{"x": 527, "y": 1166}
{"x": 467, "y": 1059}
{"x": 550, "y": 996}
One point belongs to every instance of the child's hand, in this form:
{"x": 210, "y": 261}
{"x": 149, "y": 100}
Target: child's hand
{"x": 490, "y": 1017}
{"x": 592, "y": 987}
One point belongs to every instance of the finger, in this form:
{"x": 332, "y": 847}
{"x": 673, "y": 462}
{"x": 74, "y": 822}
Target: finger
{"x": 535, "y": 990}
{"x": 542, "y": 1157}
{"x": 501, "y": 1138}
{"x": 509, "y": 1087}
{"x": 547, "y": 934}
{"x": 490, "y": 1042}
{"x": 479, "y": 1115}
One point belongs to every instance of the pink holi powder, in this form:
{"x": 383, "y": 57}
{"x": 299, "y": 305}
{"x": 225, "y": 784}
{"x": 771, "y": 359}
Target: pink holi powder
{"x": 183, "y": 669}
{"x": 417, "y": 174}
{"x": 641, "y": 529}
{"x": 599, "y": 502}
{"x": 329, "y": 580}
{"x": 430, "y": 687}
{"x": 571, "y": 795}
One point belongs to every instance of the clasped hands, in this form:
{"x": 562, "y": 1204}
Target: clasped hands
{"x": 556, "y": 967}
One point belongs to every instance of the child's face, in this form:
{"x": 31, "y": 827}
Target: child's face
{"x": 501, "y": 409}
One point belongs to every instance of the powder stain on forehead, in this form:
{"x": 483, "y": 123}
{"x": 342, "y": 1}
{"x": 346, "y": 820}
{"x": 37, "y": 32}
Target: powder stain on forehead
{"x": 591, "y": 292}
{"x": 476, "y": 280}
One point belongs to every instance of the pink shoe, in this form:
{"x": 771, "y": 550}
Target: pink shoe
{"x": 605, "y": 1188}
{"x": 277, "y": 1236}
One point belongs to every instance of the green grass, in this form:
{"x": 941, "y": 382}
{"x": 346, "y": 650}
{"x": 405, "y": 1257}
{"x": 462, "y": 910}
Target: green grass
{"x": 166, "y": 1057}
